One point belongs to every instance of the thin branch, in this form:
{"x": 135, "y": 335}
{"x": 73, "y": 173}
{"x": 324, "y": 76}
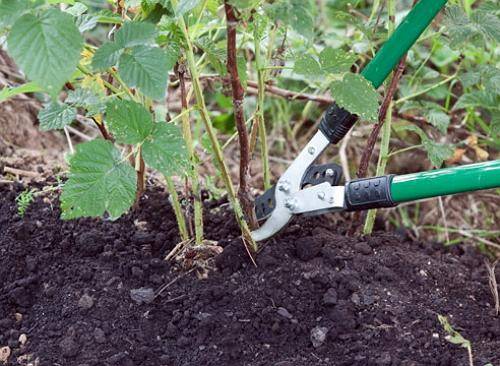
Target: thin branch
{"x": 291, "y": 95}
{"x": 372, "y": 139}
{"x": 253, "y": 87}
{"x": 244, "y": 194}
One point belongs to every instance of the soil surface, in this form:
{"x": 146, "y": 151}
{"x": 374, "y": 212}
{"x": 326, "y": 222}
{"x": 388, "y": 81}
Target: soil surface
{"x": 92, "y": 292}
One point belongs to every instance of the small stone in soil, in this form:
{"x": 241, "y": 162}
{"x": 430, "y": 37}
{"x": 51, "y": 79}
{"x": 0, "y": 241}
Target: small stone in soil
{"x": 318, "y": 336}
{"x": 330, "y": 297}
{"x": 284, "y": 313}
{"x": 4, "y": 354}
{"x": 86, "y": 302}
{"x": 142, "y": 295}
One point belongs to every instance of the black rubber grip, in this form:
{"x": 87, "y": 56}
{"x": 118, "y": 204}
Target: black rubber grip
{"x": 336, "y": 122}
{"x": 366, "y": 193}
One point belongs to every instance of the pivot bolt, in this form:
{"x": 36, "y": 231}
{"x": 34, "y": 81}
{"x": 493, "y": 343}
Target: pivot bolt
{"x": 311, "y": 150}
{"x": 284, "y": 186}
{"x": 291, "y": 204}
{"x": 329, "y": 172}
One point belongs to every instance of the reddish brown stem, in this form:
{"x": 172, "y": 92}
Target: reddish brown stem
{"x": 372, "y": 139}
{"x": 244, "y": 194}
{"x": 104, "y": 131}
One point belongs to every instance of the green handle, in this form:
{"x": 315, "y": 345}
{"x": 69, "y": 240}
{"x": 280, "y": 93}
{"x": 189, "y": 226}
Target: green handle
{"x": 405, "y": 35}
{"x": 336, "y": 122}
{"x": 446, "y": 181}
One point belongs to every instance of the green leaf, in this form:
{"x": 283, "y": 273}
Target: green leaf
{"x": 481, "y": 98}
{"x": 491, "y": 78}
{"x": 437, "y": 152}
{"x": 147, "y": 69}
{"x": 481, "y": 27}
{"x": 77, "y": 10}
{"x": 11, "y": 10}
{"x": 308, "y": 66}
{"x": 164, "y": 150}
{"x": 242, "y": 70}
{"x": 100, "y": 181}
{"x": 295, "y": 13}
{"x": 56, "y": 116}
{"x": 135, "y": 34}
{"x": 336, "y": 61}
{"x": 487, "y": 24}
{"x": 86, "y": 98}
{"x": 128, "y": 121}
{"x": 46, "y": 47}
{"x": 244, "y": 4}
{"x": 9, "y": 92}
{"x": 357, "y": 95}
{"x": 495, "y": 124}
{"x": 438, "y": 119}
{"x": 470, "y": 78}
{"x": 106, "y": 56}
{"x": 186, "y": 5}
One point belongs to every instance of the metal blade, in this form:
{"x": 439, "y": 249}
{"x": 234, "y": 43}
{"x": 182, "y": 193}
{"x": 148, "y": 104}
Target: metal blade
{"x": 288, "y": 185}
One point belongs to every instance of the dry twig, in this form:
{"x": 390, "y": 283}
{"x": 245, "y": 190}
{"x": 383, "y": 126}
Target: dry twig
{"x": 492, "y": 281}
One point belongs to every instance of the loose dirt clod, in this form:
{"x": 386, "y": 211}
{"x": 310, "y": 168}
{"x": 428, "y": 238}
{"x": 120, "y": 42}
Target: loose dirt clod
{"x": 142, "y": 295}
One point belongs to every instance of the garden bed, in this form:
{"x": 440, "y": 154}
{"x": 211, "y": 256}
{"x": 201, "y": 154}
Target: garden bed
{"x": 67, "y": 287}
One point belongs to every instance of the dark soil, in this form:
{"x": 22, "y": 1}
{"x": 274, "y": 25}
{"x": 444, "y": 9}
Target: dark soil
{"x": 67, "y": 287}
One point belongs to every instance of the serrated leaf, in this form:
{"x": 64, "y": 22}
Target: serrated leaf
{"x": 86, "y": 22}
{"x": 86, "y": 98}
{"x": 438, "y": 119}
{"x": 128, "y": 121}
{"x": 77, "y": 10}
{"x": 100, "y": 181}
{"x": 55, "y": 116}
{"x": 495, "y": 124}
{"x": 480, "y": 27}
{"x": 164, "y": 150}
{"x": 11, "y": 10}
{"x": 135, "y": 34}
{"x": 106, "y": 56}
{"x": 437, "y": 152}
{"x": 487, "y": 24}
{"x": 308, "y": 66}
{"x": 295, "y": 13}
{"x": 185, "y": 6}
{"x": 491, "y": 78}
{"x": 46, "y": 47}
{"x": 216, "y": 56}
{"x": 470, "y": 78}
{"x": 481, "y": 98}
{"x": 244, "y": 4}
{"x": 145, "y": 68}
{"x": 357, "y": 95}
{"x": 82, "y": 98}
{"x": 336, "y": 61}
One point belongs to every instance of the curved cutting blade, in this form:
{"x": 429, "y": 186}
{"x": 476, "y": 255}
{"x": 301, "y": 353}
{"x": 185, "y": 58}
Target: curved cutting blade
{"x": 288, "y": 185}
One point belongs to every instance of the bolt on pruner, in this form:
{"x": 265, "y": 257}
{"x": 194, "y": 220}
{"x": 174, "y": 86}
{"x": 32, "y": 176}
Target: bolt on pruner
{"x": 307, "y": 188}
